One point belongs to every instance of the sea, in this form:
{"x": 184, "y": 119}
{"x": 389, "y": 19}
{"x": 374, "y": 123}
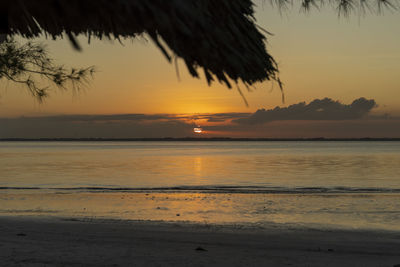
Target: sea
{"x": 316, "y": 184}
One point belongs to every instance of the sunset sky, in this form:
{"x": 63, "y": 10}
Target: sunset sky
{"x": 320, "y": 56}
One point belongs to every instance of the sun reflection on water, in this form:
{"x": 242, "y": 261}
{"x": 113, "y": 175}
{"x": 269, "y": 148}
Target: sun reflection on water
{"x": 197, "y": 166}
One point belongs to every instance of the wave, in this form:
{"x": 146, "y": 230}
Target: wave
{"x": 217, "y": 189}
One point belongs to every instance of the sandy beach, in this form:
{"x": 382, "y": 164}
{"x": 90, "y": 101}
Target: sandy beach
{"x": 41, "y": 241}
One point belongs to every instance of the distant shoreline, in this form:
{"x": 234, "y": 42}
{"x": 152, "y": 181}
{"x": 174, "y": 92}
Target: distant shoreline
{"x": 191, "y": 139}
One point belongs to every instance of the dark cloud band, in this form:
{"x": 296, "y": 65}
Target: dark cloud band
{"x": 319, "y": 118}
{"x": 318, "y": 109}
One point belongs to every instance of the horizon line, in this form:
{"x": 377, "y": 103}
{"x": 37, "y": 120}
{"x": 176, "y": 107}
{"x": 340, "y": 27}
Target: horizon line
{"x": 95, "y": 139}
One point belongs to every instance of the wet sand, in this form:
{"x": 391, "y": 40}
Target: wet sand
{"x": 41, "y": 241}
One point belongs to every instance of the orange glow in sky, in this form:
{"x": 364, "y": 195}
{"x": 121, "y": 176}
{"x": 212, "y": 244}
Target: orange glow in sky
{"x": 319, "y": 56}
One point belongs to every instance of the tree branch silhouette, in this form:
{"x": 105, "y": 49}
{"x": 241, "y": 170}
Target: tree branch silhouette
{"x": 25, "y": 63}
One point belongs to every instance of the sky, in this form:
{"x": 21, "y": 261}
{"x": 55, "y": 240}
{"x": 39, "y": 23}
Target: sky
{"x": 340, "y": 79}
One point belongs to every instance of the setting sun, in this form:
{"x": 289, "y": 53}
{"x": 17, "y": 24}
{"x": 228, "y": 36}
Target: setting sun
{"x": 197, "y": 130}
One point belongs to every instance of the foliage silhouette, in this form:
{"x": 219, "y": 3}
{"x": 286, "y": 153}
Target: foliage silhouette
{"x": 343, "y": 7}
{"x": 22, "y": 63}
{"x": 220, "y": 37}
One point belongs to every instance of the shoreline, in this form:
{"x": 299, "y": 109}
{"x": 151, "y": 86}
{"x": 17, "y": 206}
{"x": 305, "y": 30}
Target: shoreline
{"x": 44, "y": 241}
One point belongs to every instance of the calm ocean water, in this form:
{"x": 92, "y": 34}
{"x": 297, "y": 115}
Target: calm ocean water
{"x": 338, "y": 184}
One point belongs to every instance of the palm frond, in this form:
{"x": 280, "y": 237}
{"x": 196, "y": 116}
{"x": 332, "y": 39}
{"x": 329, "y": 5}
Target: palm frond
{"x": 220, "y": 37}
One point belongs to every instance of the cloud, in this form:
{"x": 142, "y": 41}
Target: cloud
{"x": 371, "y": 127}
{"x": 319, "y": 118}
{"x": 108, "y": 126}
{"x": 221, "y": 117}
{"x": 102, "y": 118}
{"x": 103, "y": 126}
{"x": 318, "y": 109}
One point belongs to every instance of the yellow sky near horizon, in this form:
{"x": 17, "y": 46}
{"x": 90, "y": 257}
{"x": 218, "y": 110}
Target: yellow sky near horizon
{"x": 319, "y": 56}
